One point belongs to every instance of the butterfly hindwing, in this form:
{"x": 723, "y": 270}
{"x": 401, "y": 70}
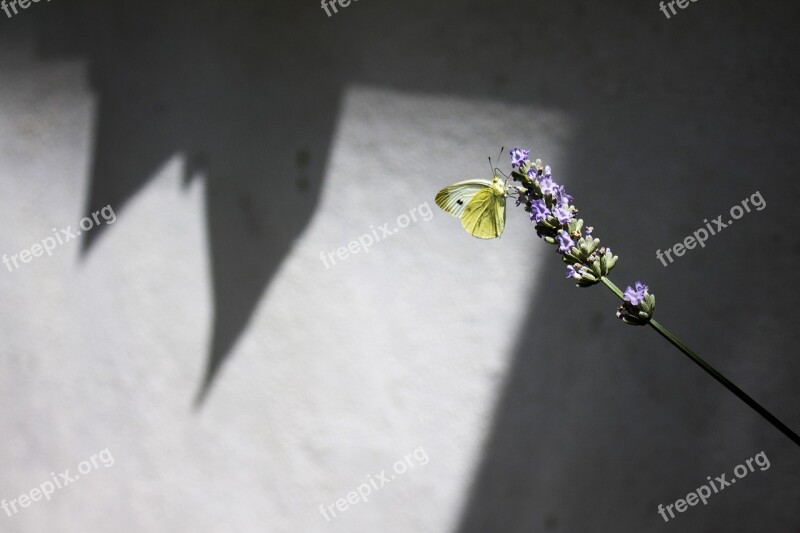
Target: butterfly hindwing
{"x": 485, "y": 214}
{"x": 455, "y": 198}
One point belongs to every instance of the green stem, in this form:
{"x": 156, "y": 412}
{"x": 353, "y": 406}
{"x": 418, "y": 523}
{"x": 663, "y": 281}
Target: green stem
{"x": 772, "y": 419}
{"x": 611, "y": 286}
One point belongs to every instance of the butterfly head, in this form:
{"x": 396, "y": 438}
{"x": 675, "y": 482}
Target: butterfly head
{"x": 499, "y": 186}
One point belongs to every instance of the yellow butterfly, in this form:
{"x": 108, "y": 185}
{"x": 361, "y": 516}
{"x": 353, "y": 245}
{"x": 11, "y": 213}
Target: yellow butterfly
{"x": 480, "y": 204}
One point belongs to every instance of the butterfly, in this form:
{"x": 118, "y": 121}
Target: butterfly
{"x": 480, "y": 204}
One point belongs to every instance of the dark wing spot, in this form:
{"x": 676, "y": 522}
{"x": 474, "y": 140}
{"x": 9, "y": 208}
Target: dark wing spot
{"x": 460, "y": 202}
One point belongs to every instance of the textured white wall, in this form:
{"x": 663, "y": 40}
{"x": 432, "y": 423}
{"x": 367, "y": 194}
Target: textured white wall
{"x": 341, "y": 372}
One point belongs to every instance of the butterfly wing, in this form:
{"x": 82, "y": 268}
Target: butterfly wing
{"x": 454, "y": 199}
{"x": 485, "y": 215}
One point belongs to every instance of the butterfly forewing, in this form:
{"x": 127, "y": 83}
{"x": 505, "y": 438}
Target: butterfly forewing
{"x": 455, "y": 198}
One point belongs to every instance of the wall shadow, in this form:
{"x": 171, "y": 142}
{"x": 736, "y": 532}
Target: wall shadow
{"x": 225, "y": 85}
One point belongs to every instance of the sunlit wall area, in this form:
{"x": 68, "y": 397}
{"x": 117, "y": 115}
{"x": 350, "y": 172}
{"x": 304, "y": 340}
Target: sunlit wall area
{"x": 351, "y": 364}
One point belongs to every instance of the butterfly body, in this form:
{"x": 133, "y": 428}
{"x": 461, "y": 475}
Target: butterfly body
{"x": 479, "y": 204}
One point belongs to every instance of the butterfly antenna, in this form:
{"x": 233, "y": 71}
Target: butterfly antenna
{"x": 496, "y": 170}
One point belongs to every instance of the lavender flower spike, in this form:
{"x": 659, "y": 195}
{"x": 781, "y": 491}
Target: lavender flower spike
{"x": 551, "y": 209}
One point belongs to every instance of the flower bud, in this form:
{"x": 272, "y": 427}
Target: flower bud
{"x": 607, "y": 261}
{"x": 638, "y": 305}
